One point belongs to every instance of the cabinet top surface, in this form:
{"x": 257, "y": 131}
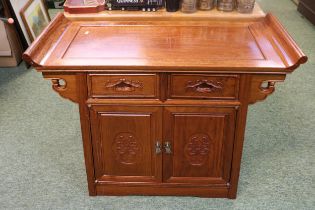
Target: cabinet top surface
{"x": 260, "y": 45}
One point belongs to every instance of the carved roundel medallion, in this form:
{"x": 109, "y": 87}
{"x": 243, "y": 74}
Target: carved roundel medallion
{"x": 197, "y": 149}
{"x": 126, "y": 148}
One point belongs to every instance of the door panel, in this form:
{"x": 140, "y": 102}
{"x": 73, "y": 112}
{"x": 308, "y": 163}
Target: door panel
{"x": 202, "y": 143}
{"x": 123, "y": 143}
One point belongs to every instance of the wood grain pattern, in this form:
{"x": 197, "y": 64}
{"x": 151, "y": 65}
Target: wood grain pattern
{"x": 201, "y": 86}
{"x": 195, "y": 160}
{"x": 254, "y": 46}
{"x": 161, "y": 189}
{"x": 258, "y": 92}
{"x": 123, "y": 85}
{"x": 164, "y": 113}
{"x": 123, "y": 142}
{"x": 65, "y": 85}
{"x": 86, "y": 132}
{"x": 44, "y": 43}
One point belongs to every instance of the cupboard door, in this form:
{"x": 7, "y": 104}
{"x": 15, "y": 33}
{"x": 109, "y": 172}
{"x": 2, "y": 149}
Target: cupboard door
{"x": 124, "y": 141}
{"x": 201, "y": 144}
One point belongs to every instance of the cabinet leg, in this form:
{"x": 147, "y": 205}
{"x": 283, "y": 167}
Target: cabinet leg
{"x": 239, "y": 137}
{"x": 237, "y": 151}
{"x": 86, "y": 133}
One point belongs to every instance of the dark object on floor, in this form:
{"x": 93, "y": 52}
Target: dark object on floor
{"x": 307, "y": 8}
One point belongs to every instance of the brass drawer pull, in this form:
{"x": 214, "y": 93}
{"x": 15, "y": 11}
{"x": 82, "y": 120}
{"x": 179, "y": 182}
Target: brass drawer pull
{"x": 168, "y": 147}
{"x": 158, "y": 148}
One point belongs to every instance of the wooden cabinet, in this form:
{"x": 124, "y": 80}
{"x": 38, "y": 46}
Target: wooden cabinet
{"x": 163, "y": 104}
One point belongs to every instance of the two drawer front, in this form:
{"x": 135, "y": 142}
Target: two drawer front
{"x": 202, "y": 86}
{"x": 181, "y": 86}
{"x": 123, "y": 85}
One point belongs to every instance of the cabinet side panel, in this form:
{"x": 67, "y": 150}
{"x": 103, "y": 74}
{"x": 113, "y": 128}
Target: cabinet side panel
{"x": 86, "y": 131}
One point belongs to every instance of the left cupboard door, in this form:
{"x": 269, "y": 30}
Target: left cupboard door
{"x": 125, "y": 143}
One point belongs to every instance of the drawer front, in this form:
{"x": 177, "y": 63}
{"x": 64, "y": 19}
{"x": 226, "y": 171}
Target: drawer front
{"x": 202, "y": 86}
{"x": 123, "y": 85}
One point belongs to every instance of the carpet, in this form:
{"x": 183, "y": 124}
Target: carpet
{"x": 41, "y": 155}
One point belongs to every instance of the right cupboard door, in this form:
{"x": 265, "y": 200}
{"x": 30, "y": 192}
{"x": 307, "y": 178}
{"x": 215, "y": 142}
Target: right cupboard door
{"x": 198, "y": 144}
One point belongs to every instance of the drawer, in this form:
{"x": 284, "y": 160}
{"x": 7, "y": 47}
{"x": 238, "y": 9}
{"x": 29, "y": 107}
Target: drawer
{"x": 123, "y": 85}
{"x": 203, "y": 86}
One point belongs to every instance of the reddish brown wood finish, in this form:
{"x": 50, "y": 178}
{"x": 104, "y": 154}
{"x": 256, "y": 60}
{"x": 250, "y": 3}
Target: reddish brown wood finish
{"x": 65, "y": 85}
{"x": 257, "y": 46}
{"x": 163, "y": 105}
{"x": 82, "y": 93}
{"x": 123, "y": 85}
{"x": 202, "y": 143}
{"x": 124, "y": 140}
{"x": 204, "y": 86}
{"x": 161, "y": 189}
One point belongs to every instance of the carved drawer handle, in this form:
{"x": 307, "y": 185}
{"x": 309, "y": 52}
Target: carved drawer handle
{"x": 124, "y": 85}
{"x": 204, "y": 86}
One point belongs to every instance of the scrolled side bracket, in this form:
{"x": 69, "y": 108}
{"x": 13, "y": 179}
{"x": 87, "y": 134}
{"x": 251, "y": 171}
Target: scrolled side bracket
{"x": 259, "y": 92}
{"x": 65, "y": 85}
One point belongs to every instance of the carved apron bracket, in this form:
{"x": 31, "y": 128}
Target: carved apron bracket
{"x": 64, "y": 85}
{"x": 262, "y": 86}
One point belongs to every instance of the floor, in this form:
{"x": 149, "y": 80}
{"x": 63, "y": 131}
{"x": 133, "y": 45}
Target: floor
{"x": 41, "y": 157}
